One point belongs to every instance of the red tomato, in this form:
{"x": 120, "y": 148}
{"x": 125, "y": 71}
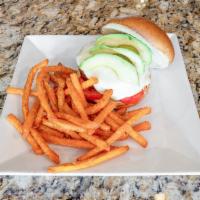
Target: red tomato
{"x": 92, "y": 94}
{"x": 133, "y": 99}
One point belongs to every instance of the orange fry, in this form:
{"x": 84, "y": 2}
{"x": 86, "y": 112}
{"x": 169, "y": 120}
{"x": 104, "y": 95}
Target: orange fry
{"x": 68, "y": 110}
{"x": 39, "y": 117}
{"x": 143, "y": 126}
{"x": 42, "y": 95}
{"x": 102, "y": 115}
{"x": 100, "y": 104}
{"x": 51, "y": 131}
{"x": 18, "y": 126}
{"x": 76, "y": 100}
{"x": 136, "y": 136}
{"x": 85, "y": 84}
{"x": 77, "y": 86}
{"x": 78, "y": 121}
{"x": 44, "y": 146}
{"x": 94, "y": 140}
{"x": 51, "y": 96}
{"x": 112, "y": 123}
{"x": 104, "y": 127}
{"x": 118, "y": 133}
{"x": 29, "y": 121}
{"x": 67, "y": 142}
{"x": 28, "y": 85}
{"x": 115, "y": 152}
{"x": 63, "y": 128}
{"x": 18, "y": 91}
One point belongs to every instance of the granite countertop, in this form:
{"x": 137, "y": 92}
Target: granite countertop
{"x": 23, "y": 17}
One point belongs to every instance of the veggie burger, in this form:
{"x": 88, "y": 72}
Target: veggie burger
{"x": 122, "y": 57}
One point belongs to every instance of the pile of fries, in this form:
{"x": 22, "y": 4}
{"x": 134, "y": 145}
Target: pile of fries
{"x": 62, "y": 115}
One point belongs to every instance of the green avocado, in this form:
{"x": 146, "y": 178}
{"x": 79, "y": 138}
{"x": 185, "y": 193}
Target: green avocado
{"x": 124, "y": 70}
{"x": 116, "y": 40}
{"x": 127, "y": 54}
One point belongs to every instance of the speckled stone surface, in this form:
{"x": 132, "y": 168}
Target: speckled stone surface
{"x": 22, "y": 17}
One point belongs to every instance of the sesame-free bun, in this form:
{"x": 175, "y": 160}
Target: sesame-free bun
{"x": 148, "y": 30}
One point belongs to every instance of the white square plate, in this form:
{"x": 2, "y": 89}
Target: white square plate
{"x": 174, "y": 141}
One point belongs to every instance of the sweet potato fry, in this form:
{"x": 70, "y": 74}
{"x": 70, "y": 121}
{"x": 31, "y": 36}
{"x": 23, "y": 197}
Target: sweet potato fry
{"x": 118, "y": 133}
{"x": 38, "y": 118}
{"x": 129, "y": 114}
{"x": 29, "y": 121}
{"x": 102, "y": 115}
{"x": 115, "y": 152}
{"x": 28, "y": 85}
{"x": 136, "y": 136}
{"x": 87, "y": 124}
{"x": 63, "y": 127}
{"x": 100, "y": 104}
{"x": 19, "y": 91}
{"x": 67, "y": 142}
{"x": 42, "y": 94}
{"x": 51, "y": 96}
{"x": 94, "y": 140}
{"x": 76, "y": 100}
{"x": 104, "y": 127}
{"x": 66, "y": 109}
{"x": 60, "y": 90}
{"x": 44, "y": 146}
{"x": 85, "y": 84}
{"x": 78, "y": 87}
{"x": 50, "y": 131}
{"x": 18, "y": 126}
{"x": 112, "y": 123}
{"x": 143, "y": 126}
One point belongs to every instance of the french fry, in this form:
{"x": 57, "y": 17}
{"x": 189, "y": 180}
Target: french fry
{"x": 121, "y": 111}
{"x": 19, "y": 91}
{"x": 118, "y": 133}
{"x": 132, "y": 113}
{"x": 94, "y": 140}
{"x": 143, "y": 126}
{"x": 100, "y": 104}
{"x": 42, "y": 95}
{"x": 116, "y": 117}
{"x": 28, "y": 85}
{"x": 63, "y": 127}
{"x": 86, "y": 84}
{"x": 38, "y": 118}
{"x": 78, "y": 87}
{"x": 44, "y": 146}
{"x": 136, "y": 136}
{"x": 68, "y": 110}
{"x": 115, "y": 152}
{"x": 87, "y": 124}
{"x": 76, "y": 100}
{"x": 29, "y": 121}
{"x": 102, "y": 133}
{"x": 50, "y": 131}
{"x": 112, "y": 123}
{"x": 60, "y": 90}
{"x": 51, "y": 96}
{"x": 67, "y": 142}
{"x": 102, "y": 115}
{"x": 18, "y": 126}
{"x": 104, "y": 127}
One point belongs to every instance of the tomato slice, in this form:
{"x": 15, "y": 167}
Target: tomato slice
{"x": 91, "y": 94}
{"x": 133, "y": 99}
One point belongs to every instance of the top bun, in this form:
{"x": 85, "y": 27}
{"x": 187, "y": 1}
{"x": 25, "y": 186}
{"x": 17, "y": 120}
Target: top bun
{"x": 148, "y": 30}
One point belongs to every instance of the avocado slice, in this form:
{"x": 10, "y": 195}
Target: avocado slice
{"x": 119, "y": 67}
{"x": 115, "y": 40}
{"x": 127, "y": 54}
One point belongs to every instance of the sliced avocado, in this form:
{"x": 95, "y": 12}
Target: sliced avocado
{"x": 115, "y": 40}
{"x": 122, "y": 69}
{"x": 127, "y": 54}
